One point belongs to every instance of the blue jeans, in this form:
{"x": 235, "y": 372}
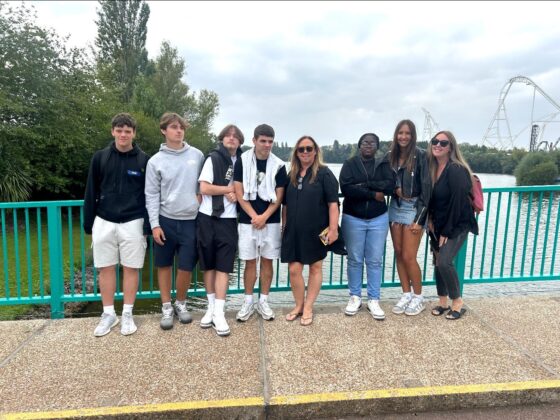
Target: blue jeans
{"x": 365, "y": 240}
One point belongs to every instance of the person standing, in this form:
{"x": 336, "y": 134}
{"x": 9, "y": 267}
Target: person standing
{"x": 310, "y": 206}
{"x": 115, "y": 216}
{"x": 408, "y": 213}
{"x": 172, "y": 200}
{"x": 451, "y": 218}
{"x": 365, "y": 222}
{"x": 259, "y": 185}
{"x": 217, "y": 225}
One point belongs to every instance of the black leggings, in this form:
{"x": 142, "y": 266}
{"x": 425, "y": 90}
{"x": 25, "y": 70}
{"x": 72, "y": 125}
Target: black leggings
{"x": 447, "y": 281}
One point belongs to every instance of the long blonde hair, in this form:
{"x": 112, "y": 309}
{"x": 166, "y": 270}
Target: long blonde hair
{"x": 295, "y": 165}
{"x": 455, "y": 155}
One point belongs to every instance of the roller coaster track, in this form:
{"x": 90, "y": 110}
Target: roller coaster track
{"x": 497, "y": 137}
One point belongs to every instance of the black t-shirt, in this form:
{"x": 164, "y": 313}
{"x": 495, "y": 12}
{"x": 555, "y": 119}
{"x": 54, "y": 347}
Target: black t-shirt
{"x": 259, "y": 205}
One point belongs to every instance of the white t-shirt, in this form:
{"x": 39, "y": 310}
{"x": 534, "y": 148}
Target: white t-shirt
{"x": 207, "y": 174}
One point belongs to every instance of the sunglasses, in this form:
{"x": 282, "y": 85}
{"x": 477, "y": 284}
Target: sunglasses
{"x": 305, "y": 149}
{"x": 442, "y": 143}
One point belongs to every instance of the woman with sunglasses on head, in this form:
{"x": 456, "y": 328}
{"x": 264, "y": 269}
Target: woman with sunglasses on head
{"x": 408, "y": 213}
{"x": 451, "y": 218}
{"x": 365, "y": 222}
{"x": 310, "y": 205}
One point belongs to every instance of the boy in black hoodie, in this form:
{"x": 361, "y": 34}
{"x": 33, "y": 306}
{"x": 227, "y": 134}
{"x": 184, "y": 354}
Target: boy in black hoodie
{"x": 116, "y": 217}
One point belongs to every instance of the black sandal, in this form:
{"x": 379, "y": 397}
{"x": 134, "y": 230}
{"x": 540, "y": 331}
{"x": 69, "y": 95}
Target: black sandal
{"x": 439, "y": 310}
{"x": 455, "y": 314}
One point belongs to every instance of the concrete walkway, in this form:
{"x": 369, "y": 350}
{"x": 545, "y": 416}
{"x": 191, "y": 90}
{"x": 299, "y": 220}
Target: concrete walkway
{"x": 504, "y": 351}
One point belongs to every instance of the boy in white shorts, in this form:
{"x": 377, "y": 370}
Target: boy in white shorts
{"x": 115, "y": 215}
{"x": 259, "y": 178}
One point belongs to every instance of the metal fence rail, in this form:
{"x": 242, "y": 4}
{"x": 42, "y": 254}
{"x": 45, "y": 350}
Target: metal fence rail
{"x": 45, "y": 256}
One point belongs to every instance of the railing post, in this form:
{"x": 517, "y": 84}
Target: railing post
{"x": 54, "y": 231}
{"x": 461, "y": 262}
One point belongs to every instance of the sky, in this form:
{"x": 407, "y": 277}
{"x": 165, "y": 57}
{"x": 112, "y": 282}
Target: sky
{"x": 335, "y": 70}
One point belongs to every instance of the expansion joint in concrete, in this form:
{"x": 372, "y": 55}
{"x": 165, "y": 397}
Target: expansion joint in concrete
{"x": 511, "y": 341}
{"x": 264, "y": 367}
{"x": 24, "y": 343}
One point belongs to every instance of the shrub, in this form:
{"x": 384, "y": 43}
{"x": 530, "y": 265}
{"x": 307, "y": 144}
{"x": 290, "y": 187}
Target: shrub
{"x": 537, "y": 168}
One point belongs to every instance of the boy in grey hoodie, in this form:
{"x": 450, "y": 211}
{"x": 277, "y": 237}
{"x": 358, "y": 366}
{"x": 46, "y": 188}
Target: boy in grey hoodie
{"x": 172, "y": 201}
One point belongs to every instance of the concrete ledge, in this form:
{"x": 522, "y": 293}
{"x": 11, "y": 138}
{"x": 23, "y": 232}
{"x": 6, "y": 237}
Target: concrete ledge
{"x": 357, "y": 403}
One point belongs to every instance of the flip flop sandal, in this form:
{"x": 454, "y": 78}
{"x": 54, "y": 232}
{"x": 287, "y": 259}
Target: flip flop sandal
{"x": 452, "y": 315}
{"x": 440, "y": 310}
{"x": 292, "y": 316}
{"x": 305, "y": 322}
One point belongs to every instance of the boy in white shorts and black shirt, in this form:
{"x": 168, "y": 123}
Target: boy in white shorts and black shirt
{"x": 172, "y": 200}
{"x": 115, "y": 215}
{"x": 216, "y": 225}
{"x": 259, "y": 178}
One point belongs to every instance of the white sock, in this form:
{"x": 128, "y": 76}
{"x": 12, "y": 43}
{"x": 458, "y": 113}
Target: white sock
{"x": 263, "y": 298}
{"x": 219, "y": 306}
{"x": 166, "y": 305}
{"x": 211, "y": 298}
{"x": 109, "y": 310}
{"x": 180, "y": 302}
{"x": 127, "y": 308}
{"x": 249, "y": 299}
{"x": 408, "y": 294}
{"x": 419, "y": 297}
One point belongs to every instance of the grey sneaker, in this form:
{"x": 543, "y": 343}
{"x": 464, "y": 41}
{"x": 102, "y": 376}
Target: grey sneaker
{"x": 247, "y": 309}
{"x": 354, "y": 305}
{"x": 375, "y": 310}
{"x": 166, "y": 322}
{"x": 206, "y": 321}
{"x": 182, "y": 313}
{"x": 220, "y": 324}
{"x": 415, "y": 306}
{"x": 128, "y": 326}
{"x": 264, "y": 310}
{"x": 401, "y": 305}
{"x": 107, "y": 322}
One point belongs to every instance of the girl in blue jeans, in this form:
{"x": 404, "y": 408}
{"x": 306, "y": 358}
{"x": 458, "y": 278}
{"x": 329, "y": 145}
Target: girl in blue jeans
{"x": 365, "y": 222}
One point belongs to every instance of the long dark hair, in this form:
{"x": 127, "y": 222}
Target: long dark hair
{"x": 409, "y": 152}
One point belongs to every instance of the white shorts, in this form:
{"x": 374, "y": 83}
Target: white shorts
{"x": 113, "y": 240}
{"x": 265, "y": 242}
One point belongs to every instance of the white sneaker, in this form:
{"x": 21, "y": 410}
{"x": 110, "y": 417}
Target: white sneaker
{"x": 182, "y": 313}
{"x": 264, "y": 310}
{"x": 401, "y": 305}
{"x": 375, "y": 310}
{"x": 206, "y": 321}
{"x": 220, "y": 324}
{"x": 166, "y": 322}
{"x": 247, "y": 309}
{"x": 415, "y": 306}
{"x": 128, "y": 326}
{"x": 354, "y": 305}
{"x": 107, "y": 322}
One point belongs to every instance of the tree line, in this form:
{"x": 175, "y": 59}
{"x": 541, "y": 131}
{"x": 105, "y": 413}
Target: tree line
{"x": 56, "y": 102}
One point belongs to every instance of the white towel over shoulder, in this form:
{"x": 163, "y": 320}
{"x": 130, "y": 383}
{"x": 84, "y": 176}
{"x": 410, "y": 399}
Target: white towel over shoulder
{"x": 267, "y": 188}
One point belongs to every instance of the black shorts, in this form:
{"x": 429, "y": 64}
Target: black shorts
{"x": 217, "y": 242}
{"x": 180, "y": 240}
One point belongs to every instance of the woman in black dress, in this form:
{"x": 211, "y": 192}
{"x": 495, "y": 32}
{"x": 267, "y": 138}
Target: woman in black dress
{"x": 451, "y": 218}
{"x": 310, "y": 206}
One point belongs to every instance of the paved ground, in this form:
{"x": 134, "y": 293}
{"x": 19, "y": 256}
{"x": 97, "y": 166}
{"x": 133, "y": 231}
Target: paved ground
{"x": 504, "y": 352}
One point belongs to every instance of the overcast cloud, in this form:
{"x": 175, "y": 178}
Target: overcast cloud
{"x": 335, "y": 70}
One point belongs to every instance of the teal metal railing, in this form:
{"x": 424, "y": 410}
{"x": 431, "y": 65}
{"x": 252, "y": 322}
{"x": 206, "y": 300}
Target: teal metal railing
{"x": 45, "y": 256}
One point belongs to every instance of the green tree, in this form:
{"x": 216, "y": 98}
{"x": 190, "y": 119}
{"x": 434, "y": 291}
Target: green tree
{"x": 51, "y": 109}
{"x": 536, "y": 168}
{"x": 121, "y": 41}
{"x": 164, "y": 90}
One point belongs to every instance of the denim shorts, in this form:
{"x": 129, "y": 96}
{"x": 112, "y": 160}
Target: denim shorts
{"x": 405, "y": 214}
